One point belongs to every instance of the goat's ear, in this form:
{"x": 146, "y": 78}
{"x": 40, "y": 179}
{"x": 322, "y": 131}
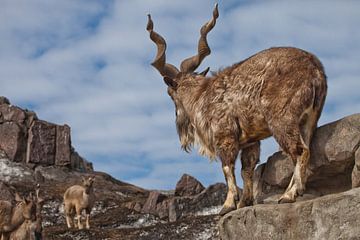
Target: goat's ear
{"x": 170, "y": 82}
{"x": 92, "y": 178}
{"x": 27, "y": 200}
{"x": 18, "y": 198}
{"x": 83, "y": 179}
{"x": 203, "y": 73}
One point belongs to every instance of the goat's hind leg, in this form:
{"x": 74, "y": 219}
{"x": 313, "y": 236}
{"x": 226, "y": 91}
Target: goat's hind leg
{"x": 291, "y": 141}
{"x": 249, "y": 158}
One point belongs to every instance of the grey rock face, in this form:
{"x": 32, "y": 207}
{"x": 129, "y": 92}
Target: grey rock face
{"x": 334, "y": 151}
{"x": 334, "y": 216}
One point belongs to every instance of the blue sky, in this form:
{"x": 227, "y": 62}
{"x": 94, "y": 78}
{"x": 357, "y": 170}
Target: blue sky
{"x": 87, "y": 64}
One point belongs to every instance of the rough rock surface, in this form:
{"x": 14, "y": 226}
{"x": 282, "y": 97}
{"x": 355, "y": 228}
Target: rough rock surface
{"x": 12, "y": 141}
{"x": 63, "y": 146}
{"x": 41, "y": 143}
{"x": 334, "y": 151}
{"x": 334, "y": 216}
{"x": 24, "y": 138}
{"x": 173, "y": 207}
{"x": 117, "y": 212}
{"x": 188, "y": 186}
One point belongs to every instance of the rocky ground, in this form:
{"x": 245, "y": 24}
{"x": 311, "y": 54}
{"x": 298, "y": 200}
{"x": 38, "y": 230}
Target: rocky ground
{"x": 114, "y": 215}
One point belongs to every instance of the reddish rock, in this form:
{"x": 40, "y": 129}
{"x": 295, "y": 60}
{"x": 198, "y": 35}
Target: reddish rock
{"x": 63, "y": 146}
{"x": 10, "y": 113}
{"x": 12, "y": 141}
{"x": 188, "y": 186}
{"x": 41, "y": 143}
{"x": 150, "y": 205}
{"x": 162, "y": 209}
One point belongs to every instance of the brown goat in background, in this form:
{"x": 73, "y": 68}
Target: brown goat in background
{"x": 30, "y": 228}
{"x": 277, "y": 92}
{"x": 13, "y": 216}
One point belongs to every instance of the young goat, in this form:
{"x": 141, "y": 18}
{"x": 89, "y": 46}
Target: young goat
{"x": 31, "y": 229}
{"x": 277, "y": 92}
{"x": 76, "y": 199}
{"x": 11, "y": 217}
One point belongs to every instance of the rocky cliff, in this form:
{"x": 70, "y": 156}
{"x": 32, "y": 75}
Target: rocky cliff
{"x": 26, "y": 139}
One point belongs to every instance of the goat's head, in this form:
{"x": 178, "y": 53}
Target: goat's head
{"x": 88, "y": 183}
{"x": 27, "y": 206}
{"x": 173, "y": 77}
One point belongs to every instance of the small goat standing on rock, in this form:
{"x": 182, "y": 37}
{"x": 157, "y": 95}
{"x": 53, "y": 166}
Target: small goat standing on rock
{"x": 277, "y": 92}
{"x": 76, "y": 199}
{"x": 11, "y": 217}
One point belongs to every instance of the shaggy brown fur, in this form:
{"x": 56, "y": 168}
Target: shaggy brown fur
{"x": 30, "y": 228}
{"x": 277, "y": 92}
{"x": 12, "y": 216}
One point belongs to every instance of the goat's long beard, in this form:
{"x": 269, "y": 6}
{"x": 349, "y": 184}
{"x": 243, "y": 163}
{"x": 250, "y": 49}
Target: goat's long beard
{"x": 185, "y": 131}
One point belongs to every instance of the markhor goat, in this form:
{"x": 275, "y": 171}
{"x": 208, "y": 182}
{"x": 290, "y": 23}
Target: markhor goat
{"x": 277, "y": 92}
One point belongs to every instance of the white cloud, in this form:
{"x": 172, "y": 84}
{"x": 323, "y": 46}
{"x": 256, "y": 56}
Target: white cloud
{"x": 87, "y": 63}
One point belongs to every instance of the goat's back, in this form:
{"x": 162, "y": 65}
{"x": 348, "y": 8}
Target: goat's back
{"x": 74, "y": 192}
{"x": 273, "y": 77}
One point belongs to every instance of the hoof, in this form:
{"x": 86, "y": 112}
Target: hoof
{"x": 245, "y": 203}
{"x": 226, "y": 210}
{"x": 284, "y": 199}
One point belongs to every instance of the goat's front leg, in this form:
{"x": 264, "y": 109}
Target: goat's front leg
{"x": 78, "y": 216}
{"x": 68, "y": 215}
{"x": 249, "y": 158}
{"x": 228, "y": 154}
{"x": 87, "y": 218}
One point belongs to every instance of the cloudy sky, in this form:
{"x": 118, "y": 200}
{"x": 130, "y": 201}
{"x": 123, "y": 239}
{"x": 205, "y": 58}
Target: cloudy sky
{"x": 87, "y": 64}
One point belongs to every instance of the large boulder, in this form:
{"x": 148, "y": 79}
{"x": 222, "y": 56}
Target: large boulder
{"x": 334, "y": 151}
{"x": 173, "y": 207}
{"x": 188, "y": 186}
{"x": 334, "y": 216}
{"x": 41, "y": 146}
{"x": 13, "y": 141}
{"x": 151, "y": 205}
